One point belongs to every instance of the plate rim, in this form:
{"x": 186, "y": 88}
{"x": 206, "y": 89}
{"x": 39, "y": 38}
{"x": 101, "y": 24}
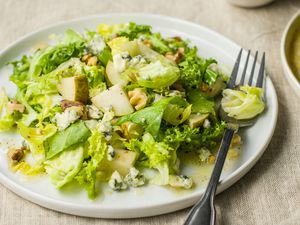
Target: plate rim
{"x": 185, "y": 201}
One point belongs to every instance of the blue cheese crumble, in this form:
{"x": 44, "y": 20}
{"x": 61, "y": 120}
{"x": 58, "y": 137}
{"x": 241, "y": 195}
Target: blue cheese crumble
{"x": 66, "y": 118}
{"x": 116, "y": 182}
{"x": 135, "y": 178}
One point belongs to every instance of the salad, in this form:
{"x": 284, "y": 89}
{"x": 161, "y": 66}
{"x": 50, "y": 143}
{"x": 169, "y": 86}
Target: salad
{"x": 105, "y": 105}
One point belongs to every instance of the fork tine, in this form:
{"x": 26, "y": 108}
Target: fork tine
{"x": 253, "y": 69}
{"x": 261, "y": 72}
{"x": 235, "y": 71}
{"x": 245, "y": 69}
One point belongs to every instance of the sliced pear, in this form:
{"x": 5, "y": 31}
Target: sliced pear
{"x": 113, "y": 75}
{"x": 115, "y": 97}
{"x": 122, "y": 162}
{"x": 74, "y": 88}
{"x": 196, "y": 120}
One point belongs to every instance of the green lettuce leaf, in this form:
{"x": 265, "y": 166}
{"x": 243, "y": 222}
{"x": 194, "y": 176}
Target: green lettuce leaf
{"x": 245, "y": 103}
{"x": 158, "y": 74}
{"x": 193, "y": 68}
{"x": 96, "y": 151}
{"x": 64, "y": 167}
{"x": 151, "y": 117}
{"x": 200, "y": 103}
{"x": 75, "y": 134}
{"x": 36, "y": 137}
{"x": 49, "y": 58}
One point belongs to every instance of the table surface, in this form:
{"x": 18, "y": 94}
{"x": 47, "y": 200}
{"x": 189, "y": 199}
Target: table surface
{"x": 270, "y": 192}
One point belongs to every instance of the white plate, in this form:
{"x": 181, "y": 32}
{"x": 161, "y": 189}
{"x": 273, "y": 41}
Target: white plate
{"x": 150, "y": 200}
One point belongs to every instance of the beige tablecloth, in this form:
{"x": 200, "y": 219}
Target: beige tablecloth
{"x": 269, "y": 194}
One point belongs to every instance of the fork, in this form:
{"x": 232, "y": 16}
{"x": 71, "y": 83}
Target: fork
{"x": 203, "y": 212}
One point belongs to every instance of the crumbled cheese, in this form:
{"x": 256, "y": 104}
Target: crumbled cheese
{"x": 105, "y": 126}
{"x": 121, "y": 61}
{"x": 137, "y": 60}
{"x": 203, "y": 154}
{"x": 91, "y": 124}
{"x": 96, "y": 44}
{"x": 106, "y": 129}
{"x": 116, "y": 182}
{"x": 66, "y": 118}
{"x": 94, "y": 112}
{"x": 135, "y": 178}
{"x": 206, "y": 123}
{"x": 110, "y": 153}
{"x": 180, "y": 181}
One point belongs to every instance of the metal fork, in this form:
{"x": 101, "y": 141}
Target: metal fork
{"x": 203, "y": 212}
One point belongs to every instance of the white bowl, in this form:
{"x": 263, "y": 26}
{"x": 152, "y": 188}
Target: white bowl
{"x": 286, "y": 40}
{"x": 250, "y": 3}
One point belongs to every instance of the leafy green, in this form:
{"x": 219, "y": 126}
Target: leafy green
{"x": 175, "y": 115}
{"x": 20, "y": 71}
{"x": 200, "y": 103}
{"x": 105, "y": 55}
{"x": 64, "y": 167}
{"x": 96, "y": 151}
{"x": 245, "y": 103}
{"x": 159, "y": 44}
{"x": 151, "y": 117}
{"x": 193, "y": 68}
{"x": 35, "y": 138}
{"x": 133, "y": 30}
{"x": 75, "y": 134}
{"x": 49, "y": 58}
{"x": 159, "y": 155}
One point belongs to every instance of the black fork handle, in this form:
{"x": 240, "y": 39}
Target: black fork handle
{"x": 203, "y": 213}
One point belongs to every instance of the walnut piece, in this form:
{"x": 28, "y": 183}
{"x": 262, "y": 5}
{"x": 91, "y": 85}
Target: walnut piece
{"x": 137, "y": 98}
{"x": 16, "y": 154}
{"x": 177, "y": 57}
{"x": 78, "y": 106}
{"x": 89, "y": 59}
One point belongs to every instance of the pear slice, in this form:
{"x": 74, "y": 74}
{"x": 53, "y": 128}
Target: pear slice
{"x": 114, "y": 97}
{"x": 113, "y": 75}
{"x": 74, "y": 88}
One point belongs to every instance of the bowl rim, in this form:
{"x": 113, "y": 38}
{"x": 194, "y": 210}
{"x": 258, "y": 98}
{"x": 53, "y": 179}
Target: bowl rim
{"x": 289, "y": 74}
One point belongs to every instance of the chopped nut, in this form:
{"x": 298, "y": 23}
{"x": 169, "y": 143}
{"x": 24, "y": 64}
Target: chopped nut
{"x": 86, "y": 57}
{"x": 138, "y": 98}
{"x": 177, "y": 38}
{"x": 177, "y": 57}
{"x": 178, "y": 86}
{"x": 204, "y": 87}
{"x": 77, "y": 106}
{"x": 14, "y": 105}
{"x": 68, "y": 103}
{"x": 92, "y": 61}
{"x": 16, "y": 154}
{"x": 211, "y": 159}
{"x": 147, "y": 42}
{"x": 236, "y": 141}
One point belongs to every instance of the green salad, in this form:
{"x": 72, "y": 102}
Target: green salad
{"x": 105, "y": 105}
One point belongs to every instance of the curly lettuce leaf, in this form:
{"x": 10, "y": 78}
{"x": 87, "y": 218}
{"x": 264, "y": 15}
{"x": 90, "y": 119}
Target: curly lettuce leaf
{"x": 158, "y": 155}
{"x": 64, "y": 167}
{"x": 75, "y": 134}
{"x": 96, "y": 151}
{"x": 245, "y": 103}
{"x": 193, "y": 69}
{"x": 46, "y": 60}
